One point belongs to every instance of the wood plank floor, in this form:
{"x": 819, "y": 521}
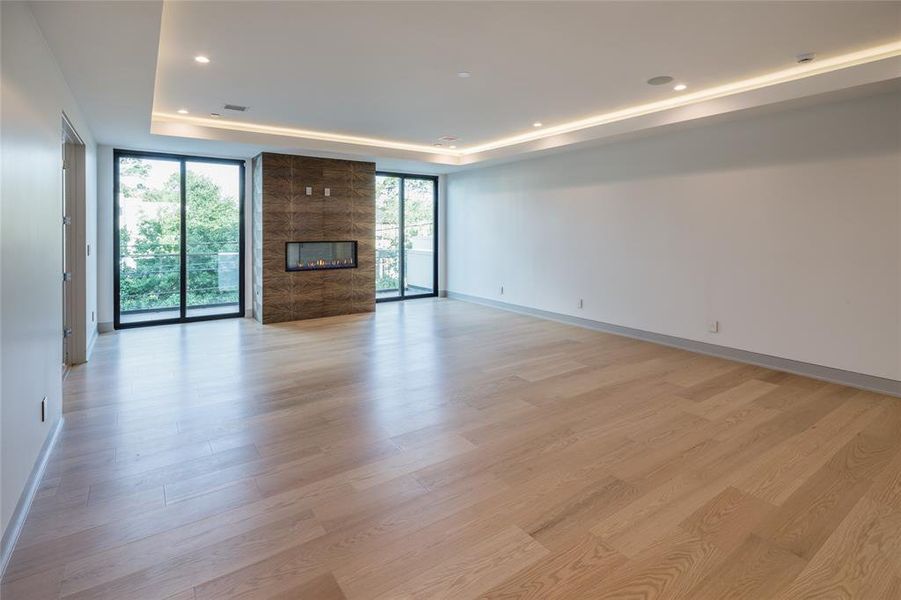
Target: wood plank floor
{"x": 439, "y": 449}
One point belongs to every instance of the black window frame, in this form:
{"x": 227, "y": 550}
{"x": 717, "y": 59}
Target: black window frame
{"x": 182, "y": 159}
{"x": 401, "y": 259}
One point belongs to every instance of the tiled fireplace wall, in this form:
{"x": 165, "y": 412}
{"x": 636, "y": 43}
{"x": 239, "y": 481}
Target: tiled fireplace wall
{"x": 283, "y": 212}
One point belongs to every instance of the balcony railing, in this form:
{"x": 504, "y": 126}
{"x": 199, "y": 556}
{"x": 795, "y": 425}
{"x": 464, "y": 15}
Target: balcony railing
{"x": 150, "y": 280}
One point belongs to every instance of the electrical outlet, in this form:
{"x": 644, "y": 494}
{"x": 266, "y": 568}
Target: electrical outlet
{"x": 502, "y": 290}
{"x": 581, "y": 303}
{"x": 328, "y": 192}
{"x": 714, "y": 327}
{"x": 44, "y": 409}
{"x": 309, "y": 191}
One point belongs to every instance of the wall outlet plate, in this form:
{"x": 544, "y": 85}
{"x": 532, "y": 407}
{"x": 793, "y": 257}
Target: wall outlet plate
{"x": 714, "y": 327}
{"x": 44, "y": 409}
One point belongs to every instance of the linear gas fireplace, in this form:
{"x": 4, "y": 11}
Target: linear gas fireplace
{"x": 317, "y": 256}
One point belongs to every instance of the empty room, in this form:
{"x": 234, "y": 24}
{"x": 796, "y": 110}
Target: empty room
{"x": 387, "y": 300}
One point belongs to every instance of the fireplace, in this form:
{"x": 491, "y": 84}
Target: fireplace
{"x": 318, "y": 256}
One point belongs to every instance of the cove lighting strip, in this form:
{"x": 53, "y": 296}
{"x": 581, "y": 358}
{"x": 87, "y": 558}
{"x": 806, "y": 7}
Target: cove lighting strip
{"x": 818, "y": 67}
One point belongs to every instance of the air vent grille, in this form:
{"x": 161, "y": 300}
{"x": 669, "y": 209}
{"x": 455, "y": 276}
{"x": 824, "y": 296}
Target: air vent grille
{"x": 235, "y": 107}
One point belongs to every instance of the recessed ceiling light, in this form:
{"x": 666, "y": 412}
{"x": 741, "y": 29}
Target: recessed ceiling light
{"x": 660, "y": 80}
{"x": 438, "y": 145}
{"x": 182, "y": 111}
{"x": 452, "y": 146}
{"x": 201, "y": 59}
{"x": 680, "y": 87}
{"x": 806, "y": 57}
{"x": 215, "y": 115}
{"x": 537, "y": 124}
{"x": 464, "y": 74}
{"x": 448, "y": 138}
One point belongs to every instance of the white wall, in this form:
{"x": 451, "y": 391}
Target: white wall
{"x": 34, "y": 96}
{"x": 442, "y": 235}
{"x": 785, "y": 227}
{"x": 91, "y": 266}
{"x": 105, "y": 238}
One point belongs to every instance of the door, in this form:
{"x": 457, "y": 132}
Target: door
{"x": 387, "y": 237}
{"x": 66, "y": 257}
{"x": 420, "y": 250}
{"x": 75, "y": 248}
{"x": 178, "y": 238}
{"x": 406, "y": 239}
{"x": 212, "y": 238}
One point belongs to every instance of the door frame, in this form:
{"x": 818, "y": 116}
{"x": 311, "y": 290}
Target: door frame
{"x": 401, "y": 260}
{"x": 75, "y": 250}
{"x": 182, "y": 159}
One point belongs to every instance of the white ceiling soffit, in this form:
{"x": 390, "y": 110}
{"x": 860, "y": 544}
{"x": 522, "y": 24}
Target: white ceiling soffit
{"x": 861, "y": 69}
{"x": 378, "y": 80}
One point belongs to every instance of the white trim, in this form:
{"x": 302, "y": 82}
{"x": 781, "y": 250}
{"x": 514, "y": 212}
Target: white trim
{"x": 17, "y": 520}
{"x": 91, "y": 342}
{"x": 853, "y": 379}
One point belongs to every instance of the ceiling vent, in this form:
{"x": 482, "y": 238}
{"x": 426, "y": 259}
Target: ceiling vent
{"x": 235, "y": 107}
{"x": 660, "y": 80}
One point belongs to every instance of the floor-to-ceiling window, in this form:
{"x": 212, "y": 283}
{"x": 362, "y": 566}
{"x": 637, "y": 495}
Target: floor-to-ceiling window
{"x": 406, "y": 242}
{"x": 178, "y": 226}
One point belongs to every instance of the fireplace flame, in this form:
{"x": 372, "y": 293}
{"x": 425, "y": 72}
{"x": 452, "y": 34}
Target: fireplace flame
{"x": 322, "y": 263}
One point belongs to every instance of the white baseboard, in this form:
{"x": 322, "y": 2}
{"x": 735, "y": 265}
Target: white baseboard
{"x": 91, "y": 342}
{"x": 862, "y": 381}
{"x": 17, "y": 520}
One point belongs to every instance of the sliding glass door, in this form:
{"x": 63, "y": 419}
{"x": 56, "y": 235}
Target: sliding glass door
{"x": 212, "y": 238}
{"x": 387, "y": 237}
{"x": 178, "y": 238}
{"x": 406, "y": 244}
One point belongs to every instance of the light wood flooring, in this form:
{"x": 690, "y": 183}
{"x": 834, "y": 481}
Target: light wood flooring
{"x": 439, "y": 449}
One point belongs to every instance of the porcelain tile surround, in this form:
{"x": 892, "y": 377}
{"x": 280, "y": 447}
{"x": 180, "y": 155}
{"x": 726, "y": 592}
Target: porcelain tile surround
{"x": 284, "y": 212}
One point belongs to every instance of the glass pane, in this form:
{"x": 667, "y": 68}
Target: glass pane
{"x": 149, "y": 239}
{"x": 212, "y": 244}
{"x": 387, "y": 237}
{"x": 419, "y": 236}
{"x": 319, "y": 256}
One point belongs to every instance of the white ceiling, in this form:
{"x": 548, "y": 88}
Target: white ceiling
{"x": 387, "y": 70}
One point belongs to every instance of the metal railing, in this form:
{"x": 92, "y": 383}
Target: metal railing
{"x": 139, "y": 270}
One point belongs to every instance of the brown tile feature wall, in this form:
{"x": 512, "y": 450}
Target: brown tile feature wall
{"x": 282, "y": 212}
